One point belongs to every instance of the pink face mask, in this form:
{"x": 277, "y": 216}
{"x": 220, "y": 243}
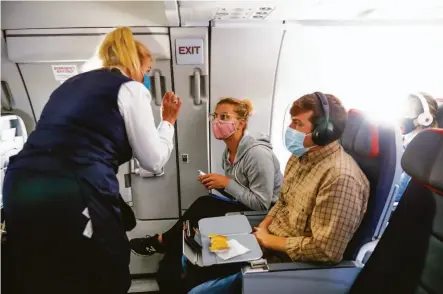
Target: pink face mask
{"x": 223, "y": 129}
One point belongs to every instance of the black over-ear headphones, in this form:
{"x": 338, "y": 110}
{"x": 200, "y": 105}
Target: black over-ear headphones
{"x": 324, "y": 129}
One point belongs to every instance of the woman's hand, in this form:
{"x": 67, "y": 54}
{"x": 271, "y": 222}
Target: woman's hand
{"x": 214, "y": 181}
{"x": 171, "y": 107}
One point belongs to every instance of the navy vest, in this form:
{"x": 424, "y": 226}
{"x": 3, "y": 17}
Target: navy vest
{"x": 81, "y": 131}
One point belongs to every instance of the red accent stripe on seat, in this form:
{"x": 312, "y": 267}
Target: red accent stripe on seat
{"x": 438, "y": 131}
{"x": 429, "y": 187}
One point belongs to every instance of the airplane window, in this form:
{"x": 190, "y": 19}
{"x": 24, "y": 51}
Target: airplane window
{"x": 371, "y": 68}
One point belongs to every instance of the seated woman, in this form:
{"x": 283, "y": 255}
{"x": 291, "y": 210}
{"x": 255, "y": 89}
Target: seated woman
{"x": 420, "y": 113}
{"x": 252, "y": 181}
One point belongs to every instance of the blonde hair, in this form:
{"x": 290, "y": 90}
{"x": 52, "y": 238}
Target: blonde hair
{"x": 243, "y": 108}
{"x": 120, "y": 49}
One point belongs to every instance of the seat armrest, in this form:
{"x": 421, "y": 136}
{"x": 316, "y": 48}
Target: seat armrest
{"x": 293, "y": 266}
{"x": 249, "y": 213}
{"x": 365, "y": 252}
{"x": 306, "y": 281}
{"x": 254, "y": 217}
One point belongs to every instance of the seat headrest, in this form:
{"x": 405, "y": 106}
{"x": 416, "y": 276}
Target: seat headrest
{"x": 360, "y": 135}
{"x": 423, "y": 158}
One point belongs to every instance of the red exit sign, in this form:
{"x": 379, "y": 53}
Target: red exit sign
{"x": 189, "y": 51}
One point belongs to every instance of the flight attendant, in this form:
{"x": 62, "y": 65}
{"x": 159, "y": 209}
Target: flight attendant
{"x": 63, "y": 211}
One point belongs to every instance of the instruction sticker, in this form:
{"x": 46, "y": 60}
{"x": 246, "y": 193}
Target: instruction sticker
{"x": 64, "y": 72}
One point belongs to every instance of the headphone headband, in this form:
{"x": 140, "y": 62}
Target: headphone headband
{"x": 423, "y": 102}
{"x": 323, "y": 133}
{"x": 324, "y": 104}
{"x": 424, "y": 119}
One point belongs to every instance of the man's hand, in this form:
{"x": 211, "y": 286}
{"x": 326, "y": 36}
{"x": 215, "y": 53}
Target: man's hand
{"x": 265, "y": 223}
{"x": 214, "y": 181}
{"x": 269, "y": 241}
{"x": 262, "y": 236}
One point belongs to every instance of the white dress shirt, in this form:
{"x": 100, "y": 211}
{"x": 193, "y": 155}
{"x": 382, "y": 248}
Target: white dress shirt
{"x": 151, "y": 145}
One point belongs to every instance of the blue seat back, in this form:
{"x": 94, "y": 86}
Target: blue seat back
{"x": 409, "y": 255}
{"x": 377, "y": 150}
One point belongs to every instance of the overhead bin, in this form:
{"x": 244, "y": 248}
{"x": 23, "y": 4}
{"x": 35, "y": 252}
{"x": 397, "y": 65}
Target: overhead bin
{"x": 71, "y": 14}
{"x": 75, "y": 45}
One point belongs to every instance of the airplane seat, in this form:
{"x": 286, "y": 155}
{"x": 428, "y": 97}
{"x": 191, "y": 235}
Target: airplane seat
{"x": 409, "y": 256}
{"x": 375, "y": 149}
{"x": 13, "y": 136}
{"x": 440, "y": 116}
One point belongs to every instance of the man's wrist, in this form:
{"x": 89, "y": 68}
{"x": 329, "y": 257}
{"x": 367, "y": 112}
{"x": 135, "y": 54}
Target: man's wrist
{"x": 277, "y": 243}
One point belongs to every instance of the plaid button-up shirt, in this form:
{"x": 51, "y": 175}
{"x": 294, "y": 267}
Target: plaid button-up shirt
{"x": 322, "y": 202}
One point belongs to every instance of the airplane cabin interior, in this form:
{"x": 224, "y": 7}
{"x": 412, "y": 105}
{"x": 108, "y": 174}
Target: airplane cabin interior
{"x": 369, "y": 54}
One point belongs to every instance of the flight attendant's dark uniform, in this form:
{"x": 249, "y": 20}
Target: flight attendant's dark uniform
{"x": 65, "y": 177}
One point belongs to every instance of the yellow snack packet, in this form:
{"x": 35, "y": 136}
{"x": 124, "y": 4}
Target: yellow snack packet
{"x": 218, "y": 242}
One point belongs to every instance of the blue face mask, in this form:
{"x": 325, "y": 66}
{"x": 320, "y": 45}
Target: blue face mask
{"x": 147, "y": 81}
{"x": 294, "y": 142}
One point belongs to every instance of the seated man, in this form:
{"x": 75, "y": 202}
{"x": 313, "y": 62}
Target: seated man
{"x": 324, "y": 193}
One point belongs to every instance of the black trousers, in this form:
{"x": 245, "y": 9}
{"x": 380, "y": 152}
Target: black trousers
{"x": 169, "y": 275}
{"x": 45, "y": 247}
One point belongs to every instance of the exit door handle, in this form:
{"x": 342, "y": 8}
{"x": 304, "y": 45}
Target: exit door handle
{"x": 6, "y": 96}
{"x": 158, "y": 88}
{"x": 197, "y": 91}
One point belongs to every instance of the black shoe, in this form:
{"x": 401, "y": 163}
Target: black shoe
{"x": 146, "y": 246}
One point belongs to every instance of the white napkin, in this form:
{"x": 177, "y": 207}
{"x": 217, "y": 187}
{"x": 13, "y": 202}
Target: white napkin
{"x": 235, "y": 249}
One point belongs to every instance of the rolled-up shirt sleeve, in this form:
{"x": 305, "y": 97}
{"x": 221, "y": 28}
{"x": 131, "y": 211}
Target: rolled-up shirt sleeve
{"x": 152, "y": 146}
{"x": 276, "y": 208}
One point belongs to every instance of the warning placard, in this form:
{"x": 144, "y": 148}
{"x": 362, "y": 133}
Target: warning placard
{"x": 64, "y": 72}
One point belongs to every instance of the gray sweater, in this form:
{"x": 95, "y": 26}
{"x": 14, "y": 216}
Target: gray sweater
{"x": 255, "y": 174}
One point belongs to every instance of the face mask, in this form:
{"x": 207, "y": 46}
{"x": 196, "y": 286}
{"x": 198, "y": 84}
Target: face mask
{"x": 223, "y": 129}
{"x": 147, "y": 81}
{"x": 407, "y": 125}
{"x": 294, "y": 142}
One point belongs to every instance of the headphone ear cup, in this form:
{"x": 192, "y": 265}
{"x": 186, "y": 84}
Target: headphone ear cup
{"x": 322, "y": 135}
{"x": 425, "y": 119}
